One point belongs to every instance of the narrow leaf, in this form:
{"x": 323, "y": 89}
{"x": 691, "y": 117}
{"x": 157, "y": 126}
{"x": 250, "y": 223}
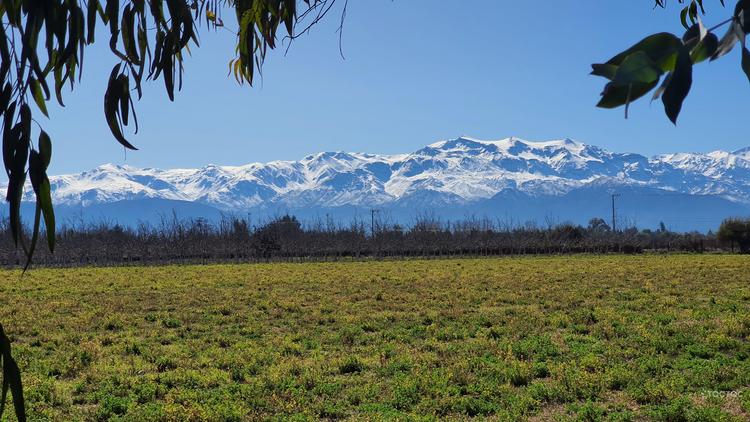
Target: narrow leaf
{"x": 93, "y": 5}
{"x": 36, "y": 92}
{"x": 679, "y": 85}
{"x": 11, "y": 379}
{"x": 45, "y": 197}
{"x": 34, "y": 238}
{"x": 45, "y": 149}
{"x": 111, "y": 107}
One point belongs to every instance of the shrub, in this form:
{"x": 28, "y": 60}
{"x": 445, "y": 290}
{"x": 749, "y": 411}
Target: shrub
{"x": 736, "y": 231}
{"x": 351, "y": 365}
{"x": 171, "y": 323}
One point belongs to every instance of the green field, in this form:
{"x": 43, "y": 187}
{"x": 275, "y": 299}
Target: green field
{"x": 552, "y": 338}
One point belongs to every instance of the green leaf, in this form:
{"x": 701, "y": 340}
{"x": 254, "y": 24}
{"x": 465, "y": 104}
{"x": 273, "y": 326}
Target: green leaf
{"x": 4, "y": 394}
{"x": 11, "y": 379}
{"x": 9, "y": 138}
{"x": 742, "y": 13}
{"x": 45, "y": 149}
{"x": 124, "y": 82}
{"x": 111, "y": 107}
{"x": 679, "y": 85}
{"x": 5, "y": 60}
{"x": 684, "y": 17}
{"x": 36, "y": 92}
{"x": 636, "y": 71}
{"x": 93, "y": 5}
{"x": 5, "y": 97}
{"x": 605, "y": 70}
{"x": 15, "y": 193}
{"x": 112, "y": 11}
{"x": 661, "y": 48}
{"x": 167, "y": 65}
{"x": 40, "y": 183}
{"x": 25, "y": 137}
{"x": 127, "y": 34}
{"x": 34, "y": 238}
{"x": 16, "y": 149}
{"x": 637, "y": 68}
{"x": 290, "y": 16}
{"x": 45, "y": 196}
{"x": 59, "y": 84}
{"x": 705, "y": 49}
{"x": 615, "y": 96}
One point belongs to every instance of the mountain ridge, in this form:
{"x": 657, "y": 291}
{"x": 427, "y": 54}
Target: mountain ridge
{"x": 458, "y": 172}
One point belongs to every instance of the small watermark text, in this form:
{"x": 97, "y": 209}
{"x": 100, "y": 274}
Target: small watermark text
{"x": 735, "y": 394}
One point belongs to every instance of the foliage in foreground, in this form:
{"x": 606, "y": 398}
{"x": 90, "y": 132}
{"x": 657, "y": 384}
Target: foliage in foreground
{"x": 42, "y": 45}
{"x": 588, "y": 338}
{"x": 669, "y": 58}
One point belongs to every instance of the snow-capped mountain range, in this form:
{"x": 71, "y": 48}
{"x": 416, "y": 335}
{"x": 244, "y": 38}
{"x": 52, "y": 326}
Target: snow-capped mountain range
{"x": 459, "y": 175}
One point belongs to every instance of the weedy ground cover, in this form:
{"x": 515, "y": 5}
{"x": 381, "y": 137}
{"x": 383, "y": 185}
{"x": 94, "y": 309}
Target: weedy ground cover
{"x": 549, "y": 338}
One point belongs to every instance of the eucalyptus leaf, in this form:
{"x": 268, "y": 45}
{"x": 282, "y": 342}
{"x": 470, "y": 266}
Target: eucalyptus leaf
{"x": 679, "y": 85}
{"x": 45, "y": 149}
{"x": 728, "y": 41}
{"x": 11, "y": 378}
{"x": 112, "y": 99}
{"x": 637, "y": 68}
{"x": 705, "y": 49}
{"x": 38, "y": 95}
{"x": 661, "y": 48}
{"x": 615, "y": 96}
{"x": 742, "y": 13}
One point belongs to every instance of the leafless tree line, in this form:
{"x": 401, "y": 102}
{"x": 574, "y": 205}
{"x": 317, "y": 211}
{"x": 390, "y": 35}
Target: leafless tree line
{"x": 285, "y": 238}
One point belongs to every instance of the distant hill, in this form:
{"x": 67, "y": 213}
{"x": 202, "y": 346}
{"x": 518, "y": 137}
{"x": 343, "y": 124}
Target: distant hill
{"x": 513, "y": 180}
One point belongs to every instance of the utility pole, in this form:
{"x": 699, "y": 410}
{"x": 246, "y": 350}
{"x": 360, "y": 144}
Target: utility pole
{"x": 614, "y": 221}
{"x": 372, "y": 222}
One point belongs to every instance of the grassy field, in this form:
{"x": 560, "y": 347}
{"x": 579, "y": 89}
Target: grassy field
{"x": 554, "y": 338}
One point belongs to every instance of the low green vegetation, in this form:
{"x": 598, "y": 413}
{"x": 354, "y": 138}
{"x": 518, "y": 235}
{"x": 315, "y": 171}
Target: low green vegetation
{"x": 613, "y": 338}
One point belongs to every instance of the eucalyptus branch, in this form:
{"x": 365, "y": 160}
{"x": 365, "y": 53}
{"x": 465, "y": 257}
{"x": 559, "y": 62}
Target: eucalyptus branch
{"x": 670, "y": 59}
{"x": 719, "y": 25}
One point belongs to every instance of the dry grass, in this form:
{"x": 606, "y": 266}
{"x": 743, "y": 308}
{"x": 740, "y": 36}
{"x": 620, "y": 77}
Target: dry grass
{"x": 589, "y": 338}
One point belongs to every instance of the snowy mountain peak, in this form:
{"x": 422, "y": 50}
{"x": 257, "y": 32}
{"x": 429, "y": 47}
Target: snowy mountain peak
{"x": 504, "y": 144}
{"x": 450, "y": 171}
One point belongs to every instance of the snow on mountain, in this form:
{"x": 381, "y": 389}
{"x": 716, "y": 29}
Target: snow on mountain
{"x": 462, "y": 169}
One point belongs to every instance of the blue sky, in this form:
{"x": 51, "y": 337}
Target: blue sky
{"x": 416, "y": 71}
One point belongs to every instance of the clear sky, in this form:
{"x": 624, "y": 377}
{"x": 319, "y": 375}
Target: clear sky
{"x": 416, "y": 71}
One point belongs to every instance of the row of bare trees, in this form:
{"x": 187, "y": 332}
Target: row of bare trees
{"x": 286, "y": 238}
